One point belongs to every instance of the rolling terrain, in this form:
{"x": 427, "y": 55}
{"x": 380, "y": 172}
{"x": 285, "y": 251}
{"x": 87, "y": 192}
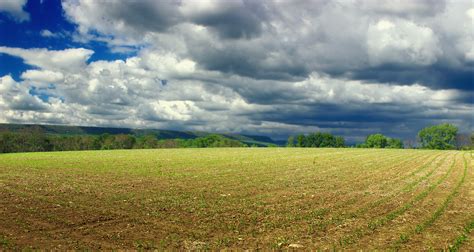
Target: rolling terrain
{"x": 62, "y": 130}
{"x": 246, "y": 198}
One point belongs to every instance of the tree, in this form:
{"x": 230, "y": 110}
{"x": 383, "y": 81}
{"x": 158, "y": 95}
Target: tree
{"x": 361, "y": 145}
{"x": 313, "y": 140}
{"x": 319, "y": 140}
{"x": 340, "y": 142}
{"x": 439, "y": 137}
{"x": 381, "y": 141}
{"x": 7, "y": 142}
{"x": 327, "y": 140}
{"x": 148, "y": 141}
{"x": 122, "y": 141}
{"x": 300, "y": 140}
{"x": 376, "y": 141}
{"x": 394, "y": 143}
{"x": 291, "y": 141}
{"x": 34, "y": 139}
{"x": 213, "y": 140}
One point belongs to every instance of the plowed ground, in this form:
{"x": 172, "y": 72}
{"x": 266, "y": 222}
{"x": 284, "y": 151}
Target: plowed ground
{"x": 243, "y": 198}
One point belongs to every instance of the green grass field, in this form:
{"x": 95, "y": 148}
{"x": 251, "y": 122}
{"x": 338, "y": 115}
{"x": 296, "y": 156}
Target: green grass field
{"x": 245, "y": 198}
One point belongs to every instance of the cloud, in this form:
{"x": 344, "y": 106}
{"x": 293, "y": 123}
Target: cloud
{"x": 404, "y": 8}
{"x": 69, "y": 59}
{"x": 271, "y": 67}
{"x": 278, "y": 40}
{"x": 230, "y": 19}
{"x": 14, "y": 8}
{"x": 42, "y": 76}
{"x": 122, "y": 17}
{"x": 49, "y": 34}
{"x": 16, "y": 97}
{"x": 402, "y": 43}
{"x": 131, "y": 93}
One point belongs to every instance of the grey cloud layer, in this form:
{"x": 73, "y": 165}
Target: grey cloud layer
{"x": 268, "y": 67}
{"x": 132, "y": 93}
{"x": 408, "y": 40}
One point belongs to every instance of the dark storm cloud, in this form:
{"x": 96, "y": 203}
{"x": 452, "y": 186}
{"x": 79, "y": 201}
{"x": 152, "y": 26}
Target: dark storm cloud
{"x": 391, "y": 119}
{"x": 145, "y": 15}
{"x": 234, "y": 20}
{"x": 317, "y": 114}
{"x": 131, "y": 17}
{"x": 249, "y": 62}
{"x": 437, "y": 76}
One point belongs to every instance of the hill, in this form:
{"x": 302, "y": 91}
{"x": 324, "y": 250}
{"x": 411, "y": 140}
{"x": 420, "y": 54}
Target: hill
{"x": 261, "y": 141}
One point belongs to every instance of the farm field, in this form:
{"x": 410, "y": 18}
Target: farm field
{"x": 245, "y": 198}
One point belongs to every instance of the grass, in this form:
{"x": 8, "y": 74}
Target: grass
{"x": 251, "y": 198}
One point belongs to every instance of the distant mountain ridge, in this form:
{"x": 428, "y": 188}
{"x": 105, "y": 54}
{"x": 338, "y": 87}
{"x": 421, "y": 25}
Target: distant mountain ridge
{"x": 160, "y": 134}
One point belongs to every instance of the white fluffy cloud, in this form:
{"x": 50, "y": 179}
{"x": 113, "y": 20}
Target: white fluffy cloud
{"x": 401, "y": 42}
{"x": 42, "y": 76}
{"x": 15, "y": 9}
{"x": 16, "y": 97}
{"x": 66, "y": 60}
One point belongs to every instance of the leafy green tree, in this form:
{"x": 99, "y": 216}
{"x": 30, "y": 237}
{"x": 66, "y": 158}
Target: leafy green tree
{"x": 381, "y": 141}
{"x": 148, "y": 141}
{"x": 106, "y": 141}
{"x": 394, "y": 143}
{"x": 439, "y": 137}
{"x": 376, "y": 141}
{"x": 340, "y": 142}
{"x": 327, "y": 140}
{"x": 7, "y": 142}
{"x": 290, "y": 142}
{"x": 319, "y": 140}
{"x": 300, "y": 140}
{"x": 122, "y": 141}
{"x": 361, "y": 145}
{"x": 313, "y": 140}
{"x": 213, "y": 140}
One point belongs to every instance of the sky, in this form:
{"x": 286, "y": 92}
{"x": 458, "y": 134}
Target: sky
{"x": 274, "y": 68}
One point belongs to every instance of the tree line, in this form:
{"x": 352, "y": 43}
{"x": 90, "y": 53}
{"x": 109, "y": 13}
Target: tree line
{"x": 440, "y": 137}
{"x": 36, "y": 140}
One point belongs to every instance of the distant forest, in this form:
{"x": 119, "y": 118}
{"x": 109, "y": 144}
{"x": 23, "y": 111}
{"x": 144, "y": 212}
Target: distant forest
{"x": 33, "y": 138}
